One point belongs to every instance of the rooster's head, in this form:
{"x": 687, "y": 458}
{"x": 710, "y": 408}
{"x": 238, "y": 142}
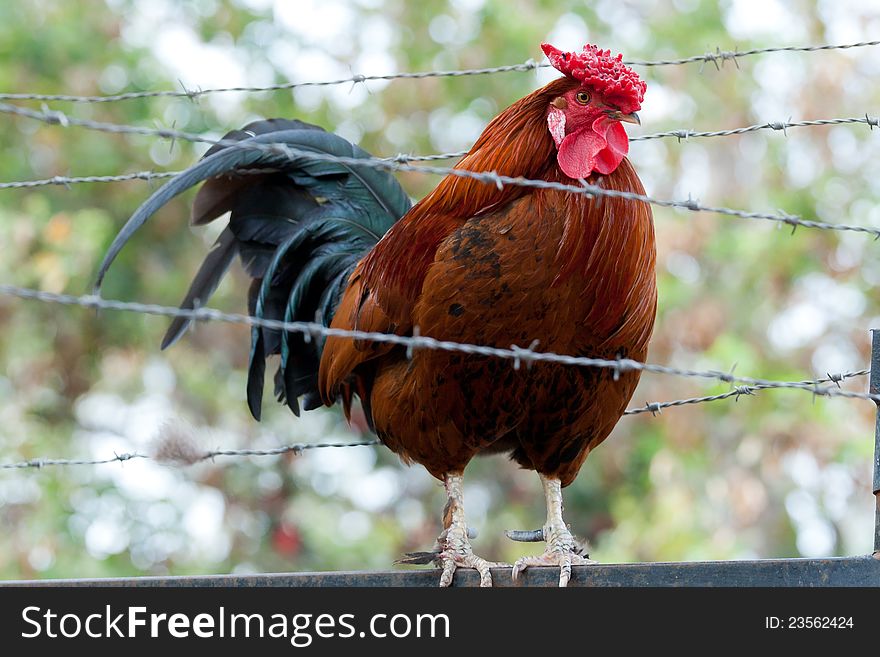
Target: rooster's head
{"x": 585, "y": 121}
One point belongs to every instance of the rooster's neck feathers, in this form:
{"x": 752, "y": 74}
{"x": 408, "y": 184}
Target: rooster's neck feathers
{"x": 515, "y": 143}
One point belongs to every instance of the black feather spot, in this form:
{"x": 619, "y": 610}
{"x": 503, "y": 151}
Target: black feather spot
{"x": 456, "y": 310}
{"x": 571, "y": 452}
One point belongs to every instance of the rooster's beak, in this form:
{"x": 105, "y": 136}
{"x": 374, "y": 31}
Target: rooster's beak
{"x": 617, "y": 115}
{"x": 631, "y": 118}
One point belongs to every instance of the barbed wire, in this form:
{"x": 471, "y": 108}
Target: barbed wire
{"x": 782, "y": 126}
{"x": 680, "y": 134}
{"x": 157, "y": 175}
{"x": 194, "y": 94}
{"x": 40, "y": 463}
{"x": 189, "y": 456}
{"x": 654, "y": 408}
{"x": 518, "y": 355}
{"x": 871, "y": 122}
{"x": 284, "y": 151}
{"x": 686, "y": 133}
{"x": 734, "y": 55}
{"x": 399, "y": 163}
{"x": 189, "y": 459}
{"x": 56, "y": 117}
{"x": 718, "y": 57}
{"x": 67, "y": 181}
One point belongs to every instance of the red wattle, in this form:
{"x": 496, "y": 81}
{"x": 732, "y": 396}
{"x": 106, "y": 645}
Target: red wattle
{"x": 599, "y": 147}
{"x": 578, "y": 151}
{"x": 617, "y": 146}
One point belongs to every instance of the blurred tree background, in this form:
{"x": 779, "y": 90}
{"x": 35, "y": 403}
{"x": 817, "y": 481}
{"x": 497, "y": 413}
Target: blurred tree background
{"x": 776, "y": 474}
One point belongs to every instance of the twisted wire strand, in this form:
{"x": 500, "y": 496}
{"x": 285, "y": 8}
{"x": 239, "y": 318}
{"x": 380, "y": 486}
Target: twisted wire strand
{"x": 74, "y": 180}
{"x": 871, "y": 121}
{"x": 656, "y": 407}
{"x": 518, "y": 355}
{"x": 298, "y": 448}
{"x": 680, "y": 134}
{"x": 718, "y": 57}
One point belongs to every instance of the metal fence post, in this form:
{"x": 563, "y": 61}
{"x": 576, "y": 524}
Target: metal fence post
{"x": 875, "y": 389}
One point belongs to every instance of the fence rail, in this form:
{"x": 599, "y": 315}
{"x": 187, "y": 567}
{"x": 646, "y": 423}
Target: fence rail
{"x": 844, "y": 571}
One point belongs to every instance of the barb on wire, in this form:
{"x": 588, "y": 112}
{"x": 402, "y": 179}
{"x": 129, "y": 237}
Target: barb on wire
{"x": 656, "y": 407}
{"x": 297, "y": 448}
{"x": 718, "y": 57}
{"x": 523, "y": 355}
{"x": 285, "y": 152}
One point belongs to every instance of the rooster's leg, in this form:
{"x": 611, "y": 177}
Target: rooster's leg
{"x": 455, "y": 547}
{"x": 562, "y": 548}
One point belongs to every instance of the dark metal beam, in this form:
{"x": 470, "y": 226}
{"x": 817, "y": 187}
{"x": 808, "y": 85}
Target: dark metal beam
{"x": 875, "y": 389}
{"x": 844, "y": 571}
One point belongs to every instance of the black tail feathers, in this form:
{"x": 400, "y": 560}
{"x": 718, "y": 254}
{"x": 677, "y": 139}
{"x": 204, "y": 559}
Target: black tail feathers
{"x": 299, "y": 226}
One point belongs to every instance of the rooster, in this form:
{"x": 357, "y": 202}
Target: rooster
{"x": 472, "y": 263}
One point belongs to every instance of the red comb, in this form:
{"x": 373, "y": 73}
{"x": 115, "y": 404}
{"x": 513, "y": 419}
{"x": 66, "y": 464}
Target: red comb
{"x": 606, "y": 74}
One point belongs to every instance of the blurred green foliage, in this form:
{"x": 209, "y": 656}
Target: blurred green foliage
{"x": 771, "y": 475}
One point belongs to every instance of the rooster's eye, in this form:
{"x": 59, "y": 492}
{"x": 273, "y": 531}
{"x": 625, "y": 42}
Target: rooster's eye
{"x": 582, "y": 97}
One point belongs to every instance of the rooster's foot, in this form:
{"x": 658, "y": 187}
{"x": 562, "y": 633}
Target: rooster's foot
{"x": 564, "y": 559}
{"x": 452, "y": 558}
{"x": 450, "y": 555}
{"x": 562, "y": 550}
